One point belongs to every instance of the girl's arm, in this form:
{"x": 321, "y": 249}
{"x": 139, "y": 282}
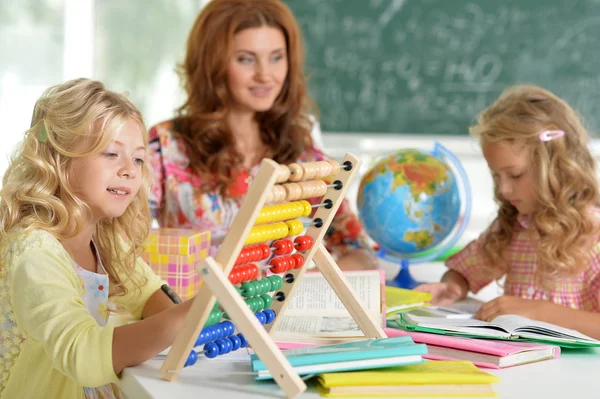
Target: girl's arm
{"x": 457, "y": 280}
{"x": 137, "y": 342}
{"x": 585, "y": 322}
{"x": 158, "y": 302}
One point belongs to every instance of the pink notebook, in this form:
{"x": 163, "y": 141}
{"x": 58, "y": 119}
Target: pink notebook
{"x": 482, "y": 352}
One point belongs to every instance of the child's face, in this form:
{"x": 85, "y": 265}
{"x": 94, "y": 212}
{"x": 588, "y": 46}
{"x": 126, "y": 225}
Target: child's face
{"x": 258, "y": 68}
{"x": 109, "y": 180}
{"x": 512, "y": 172}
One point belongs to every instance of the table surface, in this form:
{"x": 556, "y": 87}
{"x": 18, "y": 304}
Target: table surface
{"x": 575, "y": 374}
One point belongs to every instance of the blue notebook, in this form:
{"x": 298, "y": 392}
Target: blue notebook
{"x": 356, "y": 355}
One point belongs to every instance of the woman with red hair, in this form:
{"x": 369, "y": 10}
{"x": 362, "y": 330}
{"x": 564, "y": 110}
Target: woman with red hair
{"x": 246, "y": 100}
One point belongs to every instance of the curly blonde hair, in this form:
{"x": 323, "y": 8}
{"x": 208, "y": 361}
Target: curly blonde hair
{"x": 37, "y": 193}
{"x": 284, "y": 129}
{"x": 565, "y": 172}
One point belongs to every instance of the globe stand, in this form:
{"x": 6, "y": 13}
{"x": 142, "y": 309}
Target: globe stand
{"x": 404, "y": 278}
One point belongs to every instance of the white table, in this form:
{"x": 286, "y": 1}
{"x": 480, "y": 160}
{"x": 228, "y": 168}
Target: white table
{"x": 576, "y": 374}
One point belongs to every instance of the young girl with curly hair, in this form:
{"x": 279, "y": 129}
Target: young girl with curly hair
{"x": 246, "y": 100}
{"x": 73, "y": 218}
{"x": 546, "y": 237}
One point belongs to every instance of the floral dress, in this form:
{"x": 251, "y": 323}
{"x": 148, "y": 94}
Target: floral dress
{"x": 178, "y": 201}
{"x": 95, "y": 297}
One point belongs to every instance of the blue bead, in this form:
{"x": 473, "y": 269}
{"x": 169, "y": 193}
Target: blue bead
{"x": 191, "y": 360}
{"x": 270, "y": 313}
{"x": 222, "y": 346}
{"x": 236, "y": 342}
{"x": 228, "y": 328}
{"x": 211, "y": 350}
{"x": 219, "y": 333}
{"x": 202, "y": 338}
{"x": 261, "y": 317}
{"x": 229, "y": 344}
{"x": 243, "y": 339}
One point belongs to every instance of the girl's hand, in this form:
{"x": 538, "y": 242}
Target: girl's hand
{"x": 442, "y": 294}
{"x": 505, "y": 304}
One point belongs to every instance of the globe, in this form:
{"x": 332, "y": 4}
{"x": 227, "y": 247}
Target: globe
{"x": 415, "y": 204}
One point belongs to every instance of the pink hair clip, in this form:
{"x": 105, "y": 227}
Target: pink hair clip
{"x": 551, "y": 135}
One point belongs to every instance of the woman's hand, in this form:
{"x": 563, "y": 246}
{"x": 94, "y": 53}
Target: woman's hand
{"x": 442, "y": 294}
{"x": 530, "y": 308}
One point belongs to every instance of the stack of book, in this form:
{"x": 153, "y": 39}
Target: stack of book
{"x": 358, "y": 355}
{"x": 432, "y": 378}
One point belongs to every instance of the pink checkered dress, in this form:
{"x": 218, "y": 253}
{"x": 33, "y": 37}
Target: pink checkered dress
{"x": 581, "y": 291}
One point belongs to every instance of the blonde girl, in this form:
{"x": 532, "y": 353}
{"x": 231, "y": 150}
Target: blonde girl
{"x": 73, "y": 216}
{"x": 546, "y": 237}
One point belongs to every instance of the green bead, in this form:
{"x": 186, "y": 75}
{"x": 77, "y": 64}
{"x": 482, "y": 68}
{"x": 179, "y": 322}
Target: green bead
{"x": 260, "y": 302}
{"x": 248, "y": 289}
{"x": 276, "y": 282}
{"x": 267, "y": 300}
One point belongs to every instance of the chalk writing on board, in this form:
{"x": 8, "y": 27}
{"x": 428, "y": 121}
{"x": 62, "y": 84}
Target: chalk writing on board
{"x": 429, "y": 66}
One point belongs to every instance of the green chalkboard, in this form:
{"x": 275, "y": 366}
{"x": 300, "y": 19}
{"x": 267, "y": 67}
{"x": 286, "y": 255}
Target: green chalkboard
{"x": 429, "y": 66}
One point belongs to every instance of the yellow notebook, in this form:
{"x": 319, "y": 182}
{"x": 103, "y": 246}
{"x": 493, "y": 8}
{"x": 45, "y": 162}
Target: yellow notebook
{"x": 432, "y": 378}
{"x": 401, "y": 300}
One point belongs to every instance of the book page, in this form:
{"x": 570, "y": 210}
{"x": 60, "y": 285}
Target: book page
{"x": 315, "y": 310}
{"x": 316, "y": 295}
{"x": 517, "y": 324}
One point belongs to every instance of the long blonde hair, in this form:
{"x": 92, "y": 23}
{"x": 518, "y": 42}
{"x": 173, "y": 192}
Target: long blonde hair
{"x": 36, "y": 191}
{"x": 566, "y": 185}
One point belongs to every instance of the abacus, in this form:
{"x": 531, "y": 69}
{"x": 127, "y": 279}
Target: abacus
{"x": 228, "y": 276}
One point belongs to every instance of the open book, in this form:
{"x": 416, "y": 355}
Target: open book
{"x": 316, "y": 314}
{"x": 511, "y": 327}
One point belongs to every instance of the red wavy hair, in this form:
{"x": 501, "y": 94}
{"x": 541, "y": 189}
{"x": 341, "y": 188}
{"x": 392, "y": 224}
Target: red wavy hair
{"x": 285, "y": 128}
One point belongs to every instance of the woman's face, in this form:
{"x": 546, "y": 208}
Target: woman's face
{"x": 257, "y": 69}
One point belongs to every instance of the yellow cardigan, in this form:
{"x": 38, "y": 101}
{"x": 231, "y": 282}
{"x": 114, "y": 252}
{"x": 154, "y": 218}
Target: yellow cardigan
{"x": 51, "y": 346}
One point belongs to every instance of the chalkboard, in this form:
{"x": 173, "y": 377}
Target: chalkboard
{"x": 429, "y": 66}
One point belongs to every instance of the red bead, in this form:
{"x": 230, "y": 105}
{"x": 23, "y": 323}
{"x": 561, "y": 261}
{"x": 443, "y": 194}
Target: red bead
{"x": 290, "y": 245}
{"x": 278, "y": 266}
{"x": 252, "y": 271}
{"x": 241, "y": 259}
{"x": 234, "y": 276}
{"x": 266, "y": 251}
{"x": 303, "y": 243}
{"x": 298, "y": 260}
{"x": 281, "y": 247}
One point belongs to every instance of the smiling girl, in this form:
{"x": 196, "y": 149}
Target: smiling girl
{"x": 73, "y": 218}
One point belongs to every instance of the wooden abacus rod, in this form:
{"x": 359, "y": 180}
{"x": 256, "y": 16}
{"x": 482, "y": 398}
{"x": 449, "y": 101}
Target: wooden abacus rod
{"x": 232, "y": 244}
{"x": 336, "y": 196}
{"x": 260, "y": 341}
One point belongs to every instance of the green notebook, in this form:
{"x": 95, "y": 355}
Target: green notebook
{"x": 507, "y": 327}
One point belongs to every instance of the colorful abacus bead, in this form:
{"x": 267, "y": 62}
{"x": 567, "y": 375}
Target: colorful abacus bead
{"x": 303, "y": 243}
{"x": 295, "y": 227}
{"x": 298, "y": 260}
{"x": 192, "y": 359}
{"x": 283, "y": 247}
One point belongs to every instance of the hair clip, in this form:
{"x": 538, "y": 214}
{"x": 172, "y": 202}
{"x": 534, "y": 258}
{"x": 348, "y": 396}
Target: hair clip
{"x": 551, "y": 135}
{"x": 43, "y": 135}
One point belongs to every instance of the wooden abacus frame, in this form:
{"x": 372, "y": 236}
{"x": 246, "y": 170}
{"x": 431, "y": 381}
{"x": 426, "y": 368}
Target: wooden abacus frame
{"x": 216, "y": 285}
